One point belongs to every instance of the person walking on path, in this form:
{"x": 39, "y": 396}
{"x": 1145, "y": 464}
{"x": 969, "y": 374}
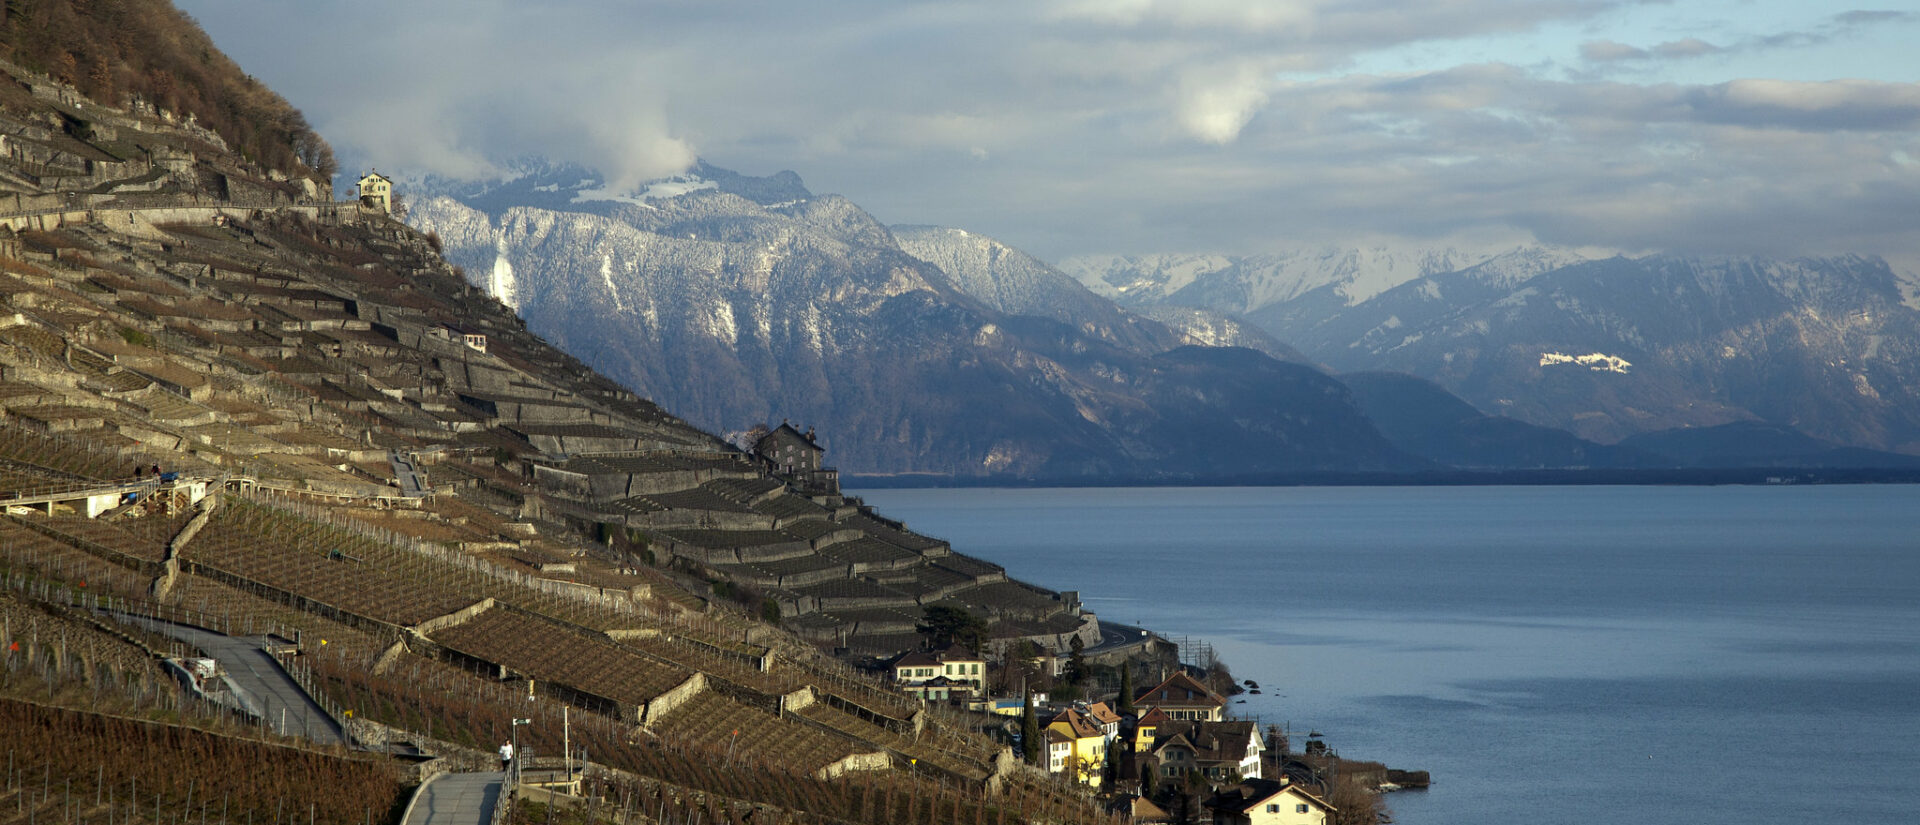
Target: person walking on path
{"x": 506, "y": 755}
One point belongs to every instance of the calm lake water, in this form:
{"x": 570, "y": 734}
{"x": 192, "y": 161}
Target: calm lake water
{"x": 1552, "y": 654}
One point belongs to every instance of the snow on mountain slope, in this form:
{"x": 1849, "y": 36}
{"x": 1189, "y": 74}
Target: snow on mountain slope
{"x": 731, "y": 307}
{"x": 1244, "y": 284}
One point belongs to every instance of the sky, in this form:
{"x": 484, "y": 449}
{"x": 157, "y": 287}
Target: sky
{"x": 1068, "y": 127}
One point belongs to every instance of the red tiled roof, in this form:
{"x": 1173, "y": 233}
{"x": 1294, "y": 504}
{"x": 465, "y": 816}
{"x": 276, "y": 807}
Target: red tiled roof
{"x": 1102, "y": 713}
{"x": 1180, "y": 691}
{"x": 1081, "y": 727}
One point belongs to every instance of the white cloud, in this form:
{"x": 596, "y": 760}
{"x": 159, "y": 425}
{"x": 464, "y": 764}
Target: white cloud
{"x": 1071, "y": 126}
{"x": 1214, "y": 104}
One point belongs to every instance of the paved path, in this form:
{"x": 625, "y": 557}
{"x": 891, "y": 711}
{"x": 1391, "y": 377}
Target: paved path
{"x": 412, "y": 484}
{"x": 456, "y": 799}
{"x": 279, "y": 700}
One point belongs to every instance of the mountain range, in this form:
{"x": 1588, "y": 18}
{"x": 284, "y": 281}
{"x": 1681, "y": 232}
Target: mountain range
{"x": 737, "y": 300}
{"x": 1605, "y": 348}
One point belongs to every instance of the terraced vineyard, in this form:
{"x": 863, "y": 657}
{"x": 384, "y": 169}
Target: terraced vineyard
{"x": 44, "y": 459}
{"x": 715, "y": 719}
{"x": 277, "y": 356}
{"x": 323, "y": 565}
{"x": 549, "y": 651}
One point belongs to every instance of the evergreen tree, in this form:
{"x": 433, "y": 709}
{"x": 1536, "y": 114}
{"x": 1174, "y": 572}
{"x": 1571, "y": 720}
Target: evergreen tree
{"x": 944, "y": 625}
{"x": 1124, "y": 705}
{"x": 1030, "y": 734}
{"x": 1077, "y": 663}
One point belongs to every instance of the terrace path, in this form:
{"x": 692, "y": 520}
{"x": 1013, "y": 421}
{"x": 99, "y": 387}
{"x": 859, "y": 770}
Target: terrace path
{"x": 456, "y": 799}
{"x": 285, "y": 707}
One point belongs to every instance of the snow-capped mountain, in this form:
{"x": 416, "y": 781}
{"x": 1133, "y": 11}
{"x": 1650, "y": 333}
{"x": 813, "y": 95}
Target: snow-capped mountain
{"x": 1017, "y": 283}
{"x": 1610, "y": 348}
{"x": 1244, "y": 285}
{"x": 1013, "y": 282}
{"x": 1604, "y": 348}
{"x": 753, "y": 300}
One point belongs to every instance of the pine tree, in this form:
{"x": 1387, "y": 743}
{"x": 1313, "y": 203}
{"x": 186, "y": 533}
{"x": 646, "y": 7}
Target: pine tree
{"x": 1124, "y": 704}
{"x": 1030, "y": 733}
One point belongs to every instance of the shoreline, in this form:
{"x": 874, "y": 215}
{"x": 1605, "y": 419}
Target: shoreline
{"x": 1677, "y": 477}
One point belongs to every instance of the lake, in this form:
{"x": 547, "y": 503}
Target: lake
{"x": 1552, "y": 654}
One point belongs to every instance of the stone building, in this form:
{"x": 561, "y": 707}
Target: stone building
{"x": 797, "y": 457}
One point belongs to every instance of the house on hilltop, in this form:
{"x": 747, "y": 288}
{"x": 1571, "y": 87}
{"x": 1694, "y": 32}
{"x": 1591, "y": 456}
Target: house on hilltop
{"x": 788, "y": 450}
{"x": 377, "y": 190}
{"x": 797, "y": 457}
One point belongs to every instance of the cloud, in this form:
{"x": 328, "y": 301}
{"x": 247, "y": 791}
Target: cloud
{"x": 1606, "y": 51}
{"x": 1072, "y": 126}
{"x": 1215, "y": 104}
{"x": 1834, "y": 105}
{"x": 1868, "y": 17}
{"x": 1609, "y": 51}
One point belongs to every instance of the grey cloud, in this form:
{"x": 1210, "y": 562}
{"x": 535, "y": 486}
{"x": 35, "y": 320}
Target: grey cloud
{"x": 1168, "y": 130}
{"x": 1686, "y": 47}
{"x": 1842, "y": 25}
{"x": 1609, "y": 51}
{"x": 1868, "y": 17}
{"x": 1606, "y": 51}
{"x": 1836, "y": 27}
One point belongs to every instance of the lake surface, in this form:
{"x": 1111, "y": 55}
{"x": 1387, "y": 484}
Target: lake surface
{"x": 1553, "y": 655}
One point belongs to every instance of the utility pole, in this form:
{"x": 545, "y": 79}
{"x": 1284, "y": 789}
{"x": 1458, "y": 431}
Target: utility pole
{"x": 514, "y": 764}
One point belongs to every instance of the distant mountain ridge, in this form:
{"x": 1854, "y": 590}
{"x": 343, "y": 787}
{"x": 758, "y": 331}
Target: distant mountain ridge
{"x": 1603, "y": 348}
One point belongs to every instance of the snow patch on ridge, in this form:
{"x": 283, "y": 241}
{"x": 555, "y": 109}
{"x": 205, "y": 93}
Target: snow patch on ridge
{"x": 606, "y": 278}
{"x": 1596, "y": 361}
{"x": 500, "y": 282}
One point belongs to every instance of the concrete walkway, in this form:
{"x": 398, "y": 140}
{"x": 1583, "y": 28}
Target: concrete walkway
{"x": 456, "y": 799}
{"x": 266, "y": 687}
{"x": 412, "y": 484}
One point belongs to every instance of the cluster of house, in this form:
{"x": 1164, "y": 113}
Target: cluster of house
{"x": 1179, "y": 731}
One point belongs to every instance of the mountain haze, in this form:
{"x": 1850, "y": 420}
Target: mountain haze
{"x": 1603, "y": 348}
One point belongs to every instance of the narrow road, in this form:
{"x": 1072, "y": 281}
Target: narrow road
{"x": 282, "y": 704}
{"x": 456, "y": 799}
{"x": 1114, "y": 636}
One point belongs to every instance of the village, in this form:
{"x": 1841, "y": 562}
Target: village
{"x": 1170, "y": 753}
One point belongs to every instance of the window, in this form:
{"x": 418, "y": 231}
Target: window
{"x": 1273, "y": 808}
{"x": 1300, "y": 808}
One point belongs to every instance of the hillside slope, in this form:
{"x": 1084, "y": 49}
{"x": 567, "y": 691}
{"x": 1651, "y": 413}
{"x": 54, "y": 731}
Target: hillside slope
{"x": 287, "y": 414}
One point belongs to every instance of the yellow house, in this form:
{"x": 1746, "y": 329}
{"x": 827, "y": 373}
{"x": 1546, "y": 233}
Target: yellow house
{"x": 1147, "y": 728}
{"x": 377, "y": 190}
{"x": 1268, "y": 802}
{"x": 1089, "y": 758}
